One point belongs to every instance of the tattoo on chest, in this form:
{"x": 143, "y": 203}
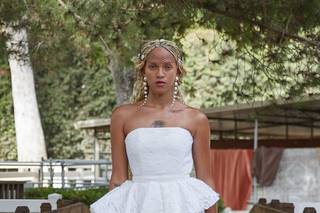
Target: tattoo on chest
{"x": 158, "y": 123}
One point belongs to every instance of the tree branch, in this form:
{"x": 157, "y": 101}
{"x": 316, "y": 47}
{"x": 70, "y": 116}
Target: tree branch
{"x": 212, "y": 8}
{"x": 83, "y": 24}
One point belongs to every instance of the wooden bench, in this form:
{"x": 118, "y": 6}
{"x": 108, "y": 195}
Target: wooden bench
{"x": 46, "y": 208}
{"x": 33, "y": 205}
{"x": 275, "y": 206}
{"x": 309, "y": 210}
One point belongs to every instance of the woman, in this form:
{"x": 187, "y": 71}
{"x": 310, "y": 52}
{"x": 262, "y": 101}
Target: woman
{"x": 160, "y": 138}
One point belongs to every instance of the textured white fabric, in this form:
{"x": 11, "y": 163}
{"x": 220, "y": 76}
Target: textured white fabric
{"x": 161, "y": 161}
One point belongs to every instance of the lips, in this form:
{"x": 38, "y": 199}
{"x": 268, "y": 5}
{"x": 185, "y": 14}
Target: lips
{"x": 160, "y": 83}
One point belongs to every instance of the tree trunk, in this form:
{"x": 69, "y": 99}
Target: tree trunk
{"x": 29, "y": 132}
{"x": 123, "y": 78}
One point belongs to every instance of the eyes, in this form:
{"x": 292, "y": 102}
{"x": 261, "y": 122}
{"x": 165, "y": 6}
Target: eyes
{"x": 154, "y": 66}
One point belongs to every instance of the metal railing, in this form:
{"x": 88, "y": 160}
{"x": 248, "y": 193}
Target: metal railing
{"x": 58, "y": 173}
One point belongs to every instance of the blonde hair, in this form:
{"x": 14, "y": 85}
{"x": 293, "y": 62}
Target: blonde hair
{"x": 140, "y": 61}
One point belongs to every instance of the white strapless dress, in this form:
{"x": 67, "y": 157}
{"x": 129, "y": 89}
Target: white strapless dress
{"x": 161, "y": 162}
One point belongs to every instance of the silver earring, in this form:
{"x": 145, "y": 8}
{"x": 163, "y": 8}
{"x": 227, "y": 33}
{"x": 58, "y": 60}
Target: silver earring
{"x": 175, "y": 91}
{"x": 145, "y": 90}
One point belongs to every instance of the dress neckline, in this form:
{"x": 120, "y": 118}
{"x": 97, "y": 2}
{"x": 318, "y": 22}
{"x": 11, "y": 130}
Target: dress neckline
{"x": 154, "y": 128}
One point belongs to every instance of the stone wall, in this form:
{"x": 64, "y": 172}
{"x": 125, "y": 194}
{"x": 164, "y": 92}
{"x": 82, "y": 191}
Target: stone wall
{"x": 298, "y": 177}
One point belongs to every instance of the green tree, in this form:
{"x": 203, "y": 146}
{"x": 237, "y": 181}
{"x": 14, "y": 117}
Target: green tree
{"x": 28, "y": 128}
{"x": 273, "y": 33}
{"x": 82, "y": 55}
{"x": 221, "y": 74}
{"x": 80, "y": 49}
{"x": 120, "y": 27}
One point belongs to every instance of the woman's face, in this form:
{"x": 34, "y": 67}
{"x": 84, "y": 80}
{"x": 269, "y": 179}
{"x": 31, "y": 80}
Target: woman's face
{"x": 160, "y": 70}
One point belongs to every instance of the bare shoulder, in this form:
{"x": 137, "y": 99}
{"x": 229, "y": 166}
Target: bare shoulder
{"x": 197, "y": 115}
{"x": 198, "y": 120}
{"x": 123, "y": 111}
{"x": 123, "y": 108}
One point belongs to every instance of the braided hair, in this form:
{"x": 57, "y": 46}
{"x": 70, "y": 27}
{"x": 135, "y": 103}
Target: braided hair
{"x": 140, "y": 63}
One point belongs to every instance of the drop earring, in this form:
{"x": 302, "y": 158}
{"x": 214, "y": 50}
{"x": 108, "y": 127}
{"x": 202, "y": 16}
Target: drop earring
{"x": 175, "y": 91}
{"x": 145, "y": 90}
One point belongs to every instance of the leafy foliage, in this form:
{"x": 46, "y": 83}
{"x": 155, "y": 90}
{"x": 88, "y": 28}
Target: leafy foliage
{"x": 7, "y": 133}
{"x": 273, "y": 34}
{"x": 72, "y": 85}
{"x": 87, "y": 196}
{"x": 72, "y": 81}
{"x": 220, "y": 74}
{"x": 11, "y": 11}
{"x": 71, "y": 95}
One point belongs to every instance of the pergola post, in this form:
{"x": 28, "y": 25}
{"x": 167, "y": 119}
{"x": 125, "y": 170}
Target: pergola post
{"x": 311, "y": 130}
{"x": 255, "y": 146}
{"x": 236, "y": 129}
{"x": 96, "y": 155}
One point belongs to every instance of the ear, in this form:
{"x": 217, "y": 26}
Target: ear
{"x": 178, "y": 72}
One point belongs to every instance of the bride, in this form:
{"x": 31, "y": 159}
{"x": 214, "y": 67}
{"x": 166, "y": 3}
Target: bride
{"x": 161, "y": 139}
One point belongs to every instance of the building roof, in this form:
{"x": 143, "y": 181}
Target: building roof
{"x": 286, "y": 119}
{"x": 298, "y": 118}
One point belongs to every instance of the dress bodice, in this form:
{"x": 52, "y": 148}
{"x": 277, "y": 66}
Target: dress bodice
{"x": 161, "y": 161}
{"x": 159, "y": 151}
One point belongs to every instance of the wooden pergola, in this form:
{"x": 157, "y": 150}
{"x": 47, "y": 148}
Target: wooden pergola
{"x": 284, "y": 123}
{"x": 96, "y": 134}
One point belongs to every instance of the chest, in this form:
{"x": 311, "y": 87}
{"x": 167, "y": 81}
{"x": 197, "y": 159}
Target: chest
{"x": 158, "y": 119}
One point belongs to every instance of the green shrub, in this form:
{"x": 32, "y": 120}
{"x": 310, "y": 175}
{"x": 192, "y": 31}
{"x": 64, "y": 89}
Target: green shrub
{"x": 87, "y": 196}
{"x": 220, "y": 205}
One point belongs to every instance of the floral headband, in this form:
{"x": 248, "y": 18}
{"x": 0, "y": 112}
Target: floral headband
{"x": 168, "y": 45}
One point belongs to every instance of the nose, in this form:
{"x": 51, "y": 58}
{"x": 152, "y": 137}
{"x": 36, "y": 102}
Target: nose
{"x": 160, "y": 72}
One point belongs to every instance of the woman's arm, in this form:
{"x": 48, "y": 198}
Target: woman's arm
{"x": 201, "y": 152}
{"x": 118, "y": 151}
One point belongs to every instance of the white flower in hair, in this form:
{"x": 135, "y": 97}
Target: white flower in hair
{"x": 141, "y": 56}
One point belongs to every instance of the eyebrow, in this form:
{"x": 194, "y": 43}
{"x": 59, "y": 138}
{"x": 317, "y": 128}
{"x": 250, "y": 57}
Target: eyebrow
{"x": 165, "y": 62}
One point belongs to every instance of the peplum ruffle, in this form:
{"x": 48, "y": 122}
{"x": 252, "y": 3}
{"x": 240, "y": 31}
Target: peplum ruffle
{"x": 187, "y": 195}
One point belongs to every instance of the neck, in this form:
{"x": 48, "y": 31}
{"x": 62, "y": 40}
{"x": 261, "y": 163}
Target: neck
{"x": 160, "y": 100}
